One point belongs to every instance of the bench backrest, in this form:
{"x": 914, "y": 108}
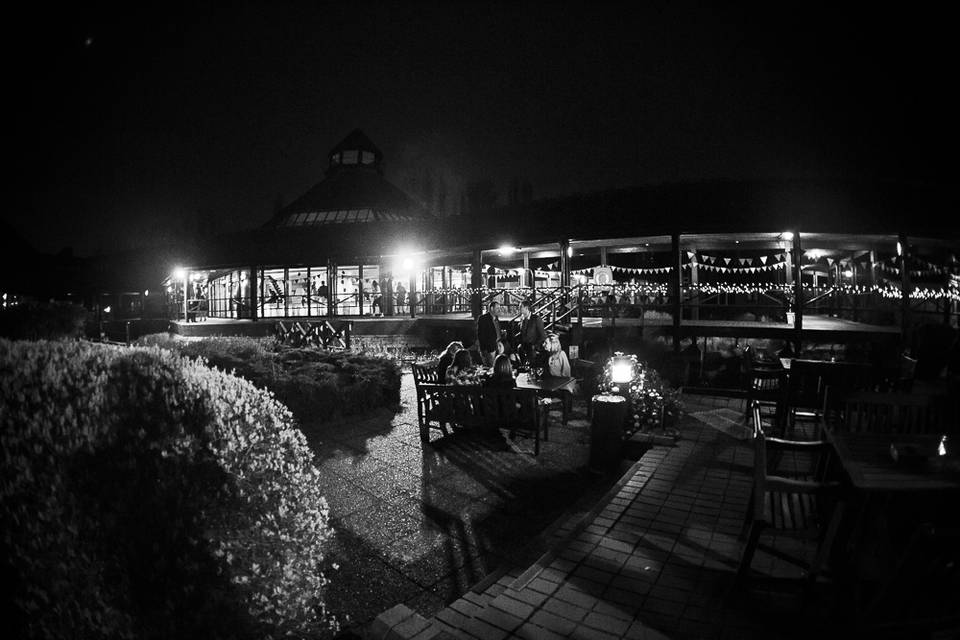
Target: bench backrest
{"x": 477, "y": 405}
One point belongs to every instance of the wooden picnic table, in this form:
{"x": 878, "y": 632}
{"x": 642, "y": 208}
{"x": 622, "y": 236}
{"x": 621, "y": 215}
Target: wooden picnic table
{"x": 867, "y": 460}
{"x": 546, "y": 384}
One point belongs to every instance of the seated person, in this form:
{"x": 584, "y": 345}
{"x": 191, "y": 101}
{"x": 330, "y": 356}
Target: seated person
{"x": 502, "y": 374}
{"x": 558, "y": 364}
{"x": 462, "y": 371}
{"x": 504, "y": 350}
{"x": 447, "y": 359}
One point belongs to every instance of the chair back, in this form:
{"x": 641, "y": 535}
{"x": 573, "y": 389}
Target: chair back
{"x": 809, "y": 380}
{"x": 510, "y": 408}
{"x": 425, "y": 374}
{"x": 871, "y": 412}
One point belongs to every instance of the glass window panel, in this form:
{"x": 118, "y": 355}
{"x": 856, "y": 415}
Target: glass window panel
{"x": 298, "y": 288}
{"x": 320, "y": 291}
{"x": 366, "y": 157}
{"x": 350, "y": 156}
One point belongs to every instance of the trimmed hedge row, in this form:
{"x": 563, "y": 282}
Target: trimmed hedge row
{"x": 144, "y": 494}
{"x": 314, "y": 384}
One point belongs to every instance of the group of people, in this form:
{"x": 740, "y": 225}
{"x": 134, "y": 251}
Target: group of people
{"x": 536, "y": 349}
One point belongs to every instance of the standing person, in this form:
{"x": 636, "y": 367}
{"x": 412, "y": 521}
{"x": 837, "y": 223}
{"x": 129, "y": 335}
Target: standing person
{"x": 376, "y": 306}
{"x": 532, "y": 333}
{"x": 401, "y": 297}
{"x": 488, "y": 332}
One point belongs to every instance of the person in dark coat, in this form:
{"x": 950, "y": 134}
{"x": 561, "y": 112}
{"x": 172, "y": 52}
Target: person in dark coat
{"x": 532, "y": 333}
{"x": 488, "y": 333}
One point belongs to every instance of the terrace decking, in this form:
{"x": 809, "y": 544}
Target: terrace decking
{"x": 815, "y": 328}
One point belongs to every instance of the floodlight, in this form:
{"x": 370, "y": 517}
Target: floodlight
{"x": 621, "y": 369}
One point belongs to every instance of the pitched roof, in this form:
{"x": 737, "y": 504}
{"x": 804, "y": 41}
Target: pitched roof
{"x": 353, "y": 190}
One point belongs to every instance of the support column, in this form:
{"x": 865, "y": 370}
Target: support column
{"x": 412, "y": 294}
{"x": 797, "y": 294}
{"x": 286, "y": 292}
{"x": 675, "y": 282}
{"x": 476, "y": 282}
{"x": 254, "y": 298}
{"x": 564, "y": 263}
{"x": 386, "y": 290}
{"x": 905, "y": 288}
{"x": 603, "y": 256}
{"x": 331, "y": 288}
{"x": 694, "y": 280}
{"x": 527, "y": 274}
{"x": 360, "y": 288}
{"x": 309, "y": 293}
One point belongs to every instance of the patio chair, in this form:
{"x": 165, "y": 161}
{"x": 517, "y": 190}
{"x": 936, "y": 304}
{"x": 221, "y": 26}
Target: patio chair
{"x": 808, "y": 381}
{"x": 892, "y": 413}
{"x": 801, "y": 502}
{"x": 768, "y": 387}
{"x": 424, "y": 374}
{"x": 516, "y": 410}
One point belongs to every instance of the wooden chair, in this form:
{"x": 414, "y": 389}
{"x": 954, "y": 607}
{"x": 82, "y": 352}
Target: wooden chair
{"x": 280, "y": 332}
{"x": 424, "y": 374}
{"x": 801, "y": 502}
{"x": 769, "y": 388}
{"x": 447, "y": 404}
{"x": 892, "y": 413}
{"x": 808, "y": 381}
{"x": 922, "y": 593}
{"x": 516, "y": 410}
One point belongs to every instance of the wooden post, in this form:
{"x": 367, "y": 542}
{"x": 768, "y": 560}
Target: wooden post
{"x": 603, "y": 256}
{"x": 675, "y": 283}
{"x": 527, "y": 275}
{"x": 694, "y": 279}
{"x": 286, "y": 292}
{"x": 797, "y": 294}
{"x": 309, "y": 293}
{"x": 360, "y": 288}
{"x": 331, "y": 288}
{"x": 905, "y": 288}
{"x": 476, "y": 282}
{"x": 412, "y": 294}
{"x": 254, "y": 301}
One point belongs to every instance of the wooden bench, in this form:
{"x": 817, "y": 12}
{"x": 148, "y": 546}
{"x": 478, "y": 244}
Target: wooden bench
{"x": 474, "y": 406}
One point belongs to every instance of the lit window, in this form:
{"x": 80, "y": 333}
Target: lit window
{"x": 311, "y": 218}
{"x": 335, "y": 159}
{"x": 366, "y": 157}
{"x": 350, "y": 157}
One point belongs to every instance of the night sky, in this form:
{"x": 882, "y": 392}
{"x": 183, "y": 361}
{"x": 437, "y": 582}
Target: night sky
{"x": 132, "y": 124}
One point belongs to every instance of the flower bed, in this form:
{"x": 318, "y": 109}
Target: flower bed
{"x": 313, "y": 383}
{"x": 146, "y": 495}
{"x": 653, "y": 403}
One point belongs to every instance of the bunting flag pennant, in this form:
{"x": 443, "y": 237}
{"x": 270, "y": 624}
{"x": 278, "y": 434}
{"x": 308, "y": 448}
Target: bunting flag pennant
{"x": 727, "y": 260}
{"x": 690, "y": 255}
{"x": 743, "y": 261}
{"x": 830, "y": 261}
{"x": 763, "y": 259}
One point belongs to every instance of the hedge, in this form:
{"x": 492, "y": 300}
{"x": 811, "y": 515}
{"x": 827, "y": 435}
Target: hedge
{"x": 315, "y": 384}
{"x": 43, "y": 321}
{"x": 144, "y": 494}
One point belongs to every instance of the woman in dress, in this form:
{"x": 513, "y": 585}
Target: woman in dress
{"x": 558, "y": 365}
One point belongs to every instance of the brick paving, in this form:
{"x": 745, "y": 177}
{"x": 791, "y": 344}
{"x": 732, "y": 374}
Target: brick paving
{"x": 422, "y": 525}
{"x": 655, "y": 558}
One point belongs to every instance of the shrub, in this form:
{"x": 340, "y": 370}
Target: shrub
{"x": 47, "y": 321}
{"x": 311, "y": 382}
{"x": 146, "y": 495}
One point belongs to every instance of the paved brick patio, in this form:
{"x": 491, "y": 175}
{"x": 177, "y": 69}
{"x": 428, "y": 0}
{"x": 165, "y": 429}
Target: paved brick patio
{"x": 423, "y": 525}
{"x": 654, "y": 559}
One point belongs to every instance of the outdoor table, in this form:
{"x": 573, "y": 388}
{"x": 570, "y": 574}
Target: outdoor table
{"x": 546, "y": 384}
{"x": 867, "y": 461}
{"x": 888, "y": 499}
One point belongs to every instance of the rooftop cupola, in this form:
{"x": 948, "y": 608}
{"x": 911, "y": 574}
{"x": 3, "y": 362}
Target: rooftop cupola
{"x": 356, "y": 150}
